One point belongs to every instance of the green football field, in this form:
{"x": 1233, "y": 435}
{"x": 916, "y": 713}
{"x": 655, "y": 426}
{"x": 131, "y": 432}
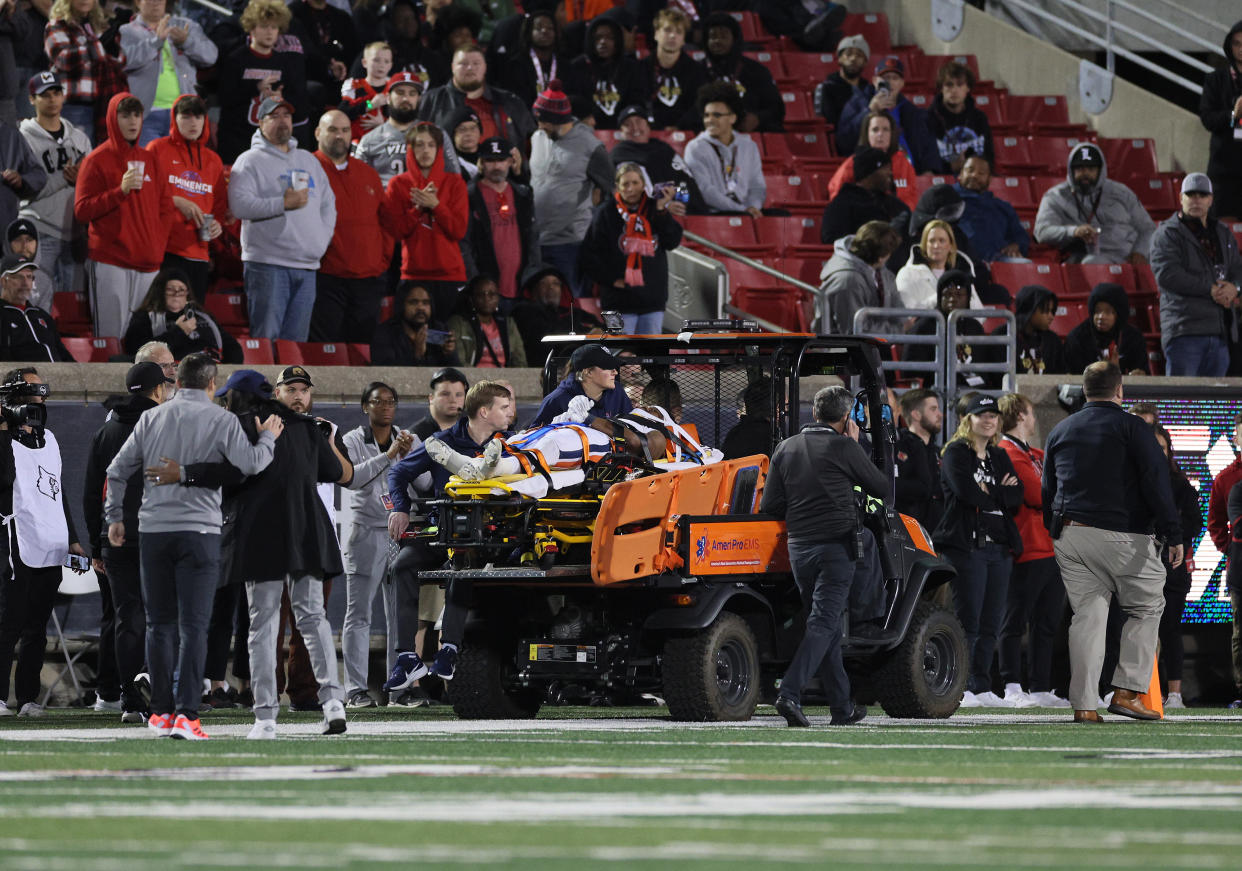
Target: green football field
{"x": 622, "y": 788}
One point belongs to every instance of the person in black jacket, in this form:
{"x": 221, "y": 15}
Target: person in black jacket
{"x": 978, "y": 535}
{"x": 752, "y": 434}
{"x": 961, "y": 130}
{"x": 538, "y": 58}
{"x": 1220, "y": 111}
{"x": 124, "y": 637}
{"x": 1106, "y": 334}
{"x": 547, "y": 310}
{"x": 1105, "y": 486}
{"x": 27, "y": 332}
{"x": 669, "y": 77}
{"x": 170, "y": 314}
{"x": 867, "y": 198}
{"x": 919, "y": 493}
{"x": 661, "y": 164}
{"x": 502, "y": 222}
{"x": 604, "y": 74}
{"x": 625, "y": 252}
{"x": 810, "y": 485}
{"x": 1038, "y": 350}
{"x": 831, "y": 95}
{"x": 765, "y": 110}
{"x": 412, "y": 336}
{"x": 1177, "y": 578}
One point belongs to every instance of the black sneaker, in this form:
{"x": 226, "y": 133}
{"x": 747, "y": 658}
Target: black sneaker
{"x": 245, "y": 698}
{"x": 414, "y": 697}
{"x": 408, "y": 669}
{"x": 791, "y": 711}
{"x": 222, "y": 698}
{"x": 445, "y": 663}
{"x": 848, "y": 719}
{"x": 360, "y": 699}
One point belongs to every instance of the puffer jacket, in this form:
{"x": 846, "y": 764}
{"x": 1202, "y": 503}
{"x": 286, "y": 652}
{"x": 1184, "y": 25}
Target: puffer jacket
{"x": 1125, "y": 227}
{"x": 1185, "y": 275}
{"x": 917, "y": 283}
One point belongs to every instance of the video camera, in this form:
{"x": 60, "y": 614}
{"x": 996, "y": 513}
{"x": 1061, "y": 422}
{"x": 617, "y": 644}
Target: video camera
{"x": 17, "y": 411}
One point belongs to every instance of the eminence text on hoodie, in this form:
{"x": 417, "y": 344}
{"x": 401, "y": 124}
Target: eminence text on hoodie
{"x": 129, "y": 230}
{"x": 196, "y": 173}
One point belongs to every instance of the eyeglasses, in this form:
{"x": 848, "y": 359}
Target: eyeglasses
{"x": 383, "y": 403}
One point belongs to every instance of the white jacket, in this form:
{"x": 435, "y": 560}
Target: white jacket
{"x": 917, "y": 283}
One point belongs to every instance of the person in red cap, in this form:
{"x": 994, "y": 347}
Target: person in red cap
{"x": 351, "y": 282}
{"x": 885, "y": 95}
{"x": 196, "y": 175}
{"x": 431, "y": 216}
{"x": 383, "y": 149}
{"x": 363, "y": 99}
{"x": 126, "y": 203}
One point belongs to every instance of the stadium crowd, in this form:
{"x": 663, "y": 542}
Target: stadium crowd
{"x": 483, "y": 172}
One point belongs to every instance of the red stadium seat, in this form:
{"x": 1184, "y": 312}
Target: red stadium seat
{"x": 1079, "y": 278}
{"x": 732, "y": 231}
{"x": 1069, "y": 315}
{"x": 386, "y": 304}
{"x": 312, "y": 353}
{"x": 741, "y": 275}
{"x": 774, "y": 151}
{"x": 798, "y": 107}
{"x": 1015, "y": 190}
{"x": 926, "y": 67}
{"x": 805, "y": 69}
{"x": 1013, "y": 276}
{"x": 1130, "y": 158}
{"x": 752, "y": 28}
{"x": 1013, "y": 154}
{"x": 359, "y": 355}
{"x": 228, "y": 309}
{"x": 72, "y": 312}
{"x": 781, "y": 306}
{"x": 1041, "y": 184}
{"x": 1160, "y": 195}
{"x": 871, "y": 26}
{"x": 1145, "y": 279}
{"x": 257, "y": 352}
{"x": 991, "y": 106}
{"x": 97, "y": 350}
{"x": 1036, "y": 113}
{"x": 811, "y": 151}
{"x": 1052, "y": 152}
{"x": 791, "y": 192}
{"x": 774, "y": 61}
{"x": 676, "y": 138}
{"x": 1152, "y": 310}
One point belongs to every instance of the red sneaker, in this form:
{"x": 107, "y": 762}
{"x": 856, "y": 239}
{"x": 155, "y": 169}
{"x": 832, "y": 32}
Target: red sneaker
{"x": 187, "y": 729}
{"x": 161, "y": 724}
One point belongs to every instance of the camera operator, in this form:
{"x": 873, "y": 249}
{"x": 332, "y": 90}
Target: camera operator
{"x": 810, "y": 486}
{"x": 118, "y": 567}
{"x": 179, "y": 533}
{"x": 40, "y": 535}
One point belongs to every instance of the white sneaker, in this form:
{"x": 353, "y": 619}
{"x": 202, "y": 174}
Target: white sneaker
{"x": 132, "y": 718}
{"x": 262, "y": 730}
{"x": 1049, "y": 700}
{"x": 30, "y": 709}
{"x": 992, "y": 700}
{"x": 6, "y": 711}
{"x": 104, "y": 706}
{"x": 1106, "y": 701}
{"x": 333, "y": 717}
{"x": 445, "y": 455}
{"x": 969, "y": 700}
{"x": 1014, "y": 693}
{"x": 1174, "y": 701}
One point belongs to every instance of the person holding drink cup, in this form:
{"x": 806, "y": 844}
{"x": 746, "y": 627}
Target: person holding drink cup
{"x": 125, "y": 202}
{"x": 195, "y": 174}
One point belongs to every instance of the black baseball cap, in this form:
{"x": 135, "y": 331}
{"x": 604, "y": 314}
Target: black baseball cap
{"x": 247, "y": 381}
{"x": 12, "y": 263}
{"x": 982, "y": 403}
{"x": 631, "y": 110}
{"x": 495, "y": 148}
{"x": 589, "y": 356}
{"x": 448, "y": 373}
{"x": 24, "y": 227}
{"x": 145, "y": 377}
{"x": 294, "y": 375}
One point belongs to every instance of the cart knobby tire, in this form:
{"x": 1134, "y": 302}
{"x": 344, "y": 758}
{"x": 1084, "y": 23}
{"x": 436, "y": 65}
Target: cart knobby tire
{"x": 925, "y": 676}
{"x": 713, "y": 674}
{"x": 479, "y": 689}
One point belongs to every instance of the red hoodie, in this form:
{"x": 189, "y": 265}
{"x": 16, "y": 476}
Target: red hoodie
{"x": 1029, "y": 466}
{"x": 193, "y": 172}
{"x": 125, "y": 230}
{"x": 1218, "y": 506}
{"x": 360, "y": 247}
{"x": 429, "y": 240}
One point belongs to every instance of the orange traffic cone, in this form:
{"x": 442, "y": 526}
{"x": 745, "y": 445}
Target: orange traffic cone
{"x": 1152, "y": 698}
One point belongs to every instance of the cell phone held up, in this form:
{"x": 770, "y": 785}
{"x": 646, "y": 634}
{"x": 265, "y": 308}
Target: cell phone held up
{"x": 437, "y": 337}
{"x": 77, "y": 562}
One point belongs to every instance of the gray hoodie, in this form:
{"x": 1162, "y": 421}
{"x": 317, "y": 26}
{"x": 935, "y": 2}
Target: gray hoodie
{"x": 189, "y": 428}
{"x": 144, "y": 58}
{"x": 1125, "y": 227}
{"x": 297, "y": 238}
{"x": 51, "y": 209}
{"x": 851, "y": 284}
{"x": 744, "y": 188}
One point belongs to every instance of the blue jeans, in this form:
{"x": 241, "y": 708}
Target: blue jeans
{"x": 154, "y": 125}
{"x": 824, "y": 572}
{"x": 645, "y": 324}
{"x": 180, "y": 571}
{"x": 280, "y": 299}
{"x": 1204, "y": 356}
{"x": 81, "y": 116}
{"x": 980, "y": 592}
{"x": 565, "y": 258}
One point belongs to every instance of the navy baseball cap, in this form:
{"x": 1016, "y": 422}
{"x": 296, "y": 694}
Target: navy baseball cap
{"x": 247, "y": 381}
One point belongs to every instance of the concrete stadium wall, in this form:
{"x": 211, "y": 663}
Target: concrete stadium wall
{"x": 1028, "y": 65}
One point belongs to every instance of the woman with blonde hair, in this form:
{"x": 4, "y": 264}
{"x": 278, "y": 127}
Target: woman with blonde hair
{"x": 935, "y": 254}
{"x": 978, "y": 535}
{"x": 86, "y": 55}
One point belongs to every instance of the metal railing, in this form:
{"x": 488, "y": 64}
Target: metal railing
{"x": 864, "y": 325}
{"x": 1112, "y": 26}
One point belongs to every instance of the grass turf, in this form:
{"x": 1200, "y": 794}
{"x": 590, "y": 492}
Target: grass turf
{"x": 587, "y": 787}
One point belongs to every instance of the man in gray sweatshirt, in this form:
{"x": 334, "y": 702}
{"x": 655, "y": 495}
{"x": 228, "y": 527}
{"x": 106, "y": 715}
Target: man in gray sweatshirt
{"x": 179, "y": 533}
{"x": 288, "y": 214}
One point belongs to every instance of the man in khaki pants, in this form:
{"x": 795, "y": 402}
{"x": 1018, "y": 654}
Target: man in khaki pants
{"x": 1105, "y": 486}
